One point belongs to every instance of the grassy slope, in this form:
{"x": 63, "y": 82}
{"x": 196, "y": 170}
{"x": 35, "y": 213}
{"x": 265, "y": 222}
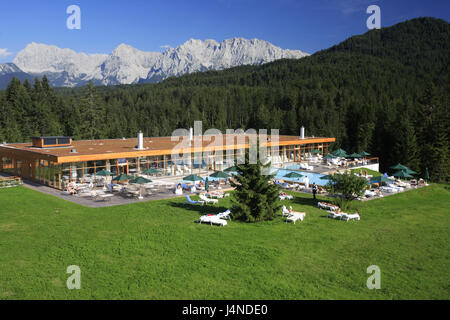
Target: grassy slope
{"x": 373, "y": 173}
{"x": 153, "y": 250}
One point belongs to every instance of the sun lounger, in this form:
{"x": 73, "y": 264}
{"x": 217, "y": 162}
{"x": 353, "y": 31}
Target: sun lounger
{"x": 284, "y": 196}
{"x": 190, "y": 201}
{"x": 327, "y": 206}
{"x": 208, "y": 200}
{"x": 347, "y": 217}
{"x": 294, "y": 216}
{"x": 225, "y": 215}
{"x": 212, "y": 219}
{"x": 369, "y": 193}
{"x": 334, "y": 215}
{"x": 215, "y": 194}
{"x": 284, "y": 211}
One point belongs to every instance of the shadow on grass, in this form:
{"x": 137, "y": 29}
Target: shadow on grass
{"x": 306, "y": 201}
{"x": 200, "y": 209}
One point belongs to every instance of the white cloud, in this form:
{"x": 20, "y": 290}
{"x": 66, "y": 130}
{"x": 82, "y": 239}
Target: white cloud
{"x": 4, "y": 53}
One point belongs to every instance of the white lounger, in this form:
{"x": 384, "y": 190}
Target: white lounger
{"x": 285, "y": 211}
{"x": 369, "y": 193}
{"x": 294, "y": 216}
{"x": 225, "y": 215}
{"x": 334, "y": 215}
{"x": 208, "y": 200}
{"x": 286, "y": 196}
{"x": 325, "y": 206}
{"x": 212, "y": 219}
{"x": 353, "y": 216}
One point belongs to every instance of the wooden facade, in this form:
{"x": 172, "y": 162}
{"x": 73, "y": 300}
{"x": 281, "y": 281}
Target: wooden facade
{"x": 54, "y": 166}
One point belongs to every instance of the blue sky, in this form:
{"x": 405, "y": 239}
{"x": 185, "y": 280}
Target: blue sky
{"x": 149, "y": 25}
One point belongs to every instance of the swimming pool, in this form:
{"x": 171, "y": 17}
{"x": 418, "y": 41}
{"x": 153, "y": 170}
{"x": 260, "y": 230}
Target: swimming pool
{"x": 313, "y": 177}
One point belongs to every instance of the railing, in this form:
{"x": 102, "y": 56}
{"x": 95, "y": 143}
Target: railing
{"x": 363, "y": 162}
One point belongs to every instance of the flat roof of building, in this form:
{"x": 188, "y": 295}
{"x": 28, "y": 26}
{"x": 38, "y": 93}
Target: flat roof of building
{"x": 90, "y": 150}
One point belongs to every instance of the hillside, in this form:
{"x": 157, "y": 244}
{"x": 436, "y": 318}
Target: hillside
{"x": 385, "y": 92}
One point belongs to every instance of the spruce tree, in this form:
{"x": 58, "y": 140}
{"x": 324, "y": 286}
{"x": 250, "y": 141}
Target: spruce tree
{"x": 255, "y": 197}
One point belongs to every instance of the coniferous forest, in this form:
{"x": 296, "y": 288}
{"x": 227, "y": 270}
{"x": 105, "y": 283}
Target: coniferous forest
{"x": 385, "y": 92}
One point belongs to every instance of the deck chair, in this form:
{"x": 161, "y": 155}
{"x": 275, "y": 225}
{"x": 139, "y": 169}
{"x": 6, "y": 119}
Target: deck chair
{"x": 293, "y": 217}
{"x": 334, "y": 215}
{"x": 225, "y": 215}
{"x": 285, "y": 211}
{"x": 207, "y": 200}
{"x": 212, "y": 219}
{"x": 190, "y": 201}
{"x": 348, "y": 217}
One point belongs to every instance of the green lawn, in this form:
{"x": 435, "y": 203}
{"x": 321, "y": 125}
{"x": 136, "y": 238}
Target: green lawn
{"x": 373, "y": 173}
{"x": 154, "y": 250}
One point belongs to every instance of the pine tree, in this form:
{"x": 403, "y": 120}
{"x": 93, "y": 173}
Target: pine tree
{"x": 406, "y": 150}
{"x": 92, "y": 114}
{"x": 255, "y": 198}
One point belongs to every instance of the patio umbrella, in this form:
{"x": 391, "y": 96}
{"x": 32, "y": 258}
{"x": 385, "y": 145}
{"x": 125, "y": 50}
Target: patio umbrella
{"x": 340, "y": 153}
{"x": 399, "y": 167}
{"x": 207, "y": 184}
{"x": 354, "y": 155}
{"x": 293, "y": 175}
{"x": 402, "y": 174}
{"x": 409, "y": 171}
{"x": 426, "y": 175}
{"x": 122, "y": 177}
{"x": 193, "y": 178}
{"x": 150, "y": 171}
{"x": 140, "y": 181}
{"x": 104, "y": 173}
{"x": 364, "y": 154}
{"x": 219, "y": 175}
{"x": 231, "y": 169}
{"x": 380, "y": 179}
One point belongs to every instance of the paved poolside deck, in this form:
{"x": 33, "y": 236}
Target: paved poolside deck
{"x": 117, "y": 199}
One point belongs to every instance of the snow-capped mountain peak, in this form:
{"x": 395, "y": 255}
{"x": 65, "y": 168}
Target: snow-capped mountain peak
{"x": 127, "y": 64}
{"x": 6, "y": 68}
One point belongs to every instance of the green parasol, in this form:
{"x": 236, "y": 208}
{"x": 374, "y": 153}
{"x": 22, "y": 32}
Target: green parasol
{"x": 104, "y": 173}
{"x": 122, "y": 177}
{"x": 293, "y": 175}
{"x": 193, "y": 178}
{"x": 219, "y": 175}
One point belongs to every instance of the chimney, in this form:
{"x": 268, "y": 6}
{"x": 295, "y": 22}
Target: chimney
{"x": 140, "y": 145}
{"x": 302, "y": 132}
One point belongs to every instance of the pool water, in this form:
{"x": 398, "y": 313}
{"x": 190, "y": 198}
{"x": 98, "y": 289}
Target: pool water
{"x": 313, "y": 177}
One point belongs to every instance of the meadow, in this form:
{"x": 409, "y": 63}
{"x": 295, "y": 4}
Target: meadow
{"x": 154, "y": 250}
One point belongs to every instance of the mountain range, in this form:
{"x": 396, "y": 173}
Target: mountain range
{"x": 128, "y": 65}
